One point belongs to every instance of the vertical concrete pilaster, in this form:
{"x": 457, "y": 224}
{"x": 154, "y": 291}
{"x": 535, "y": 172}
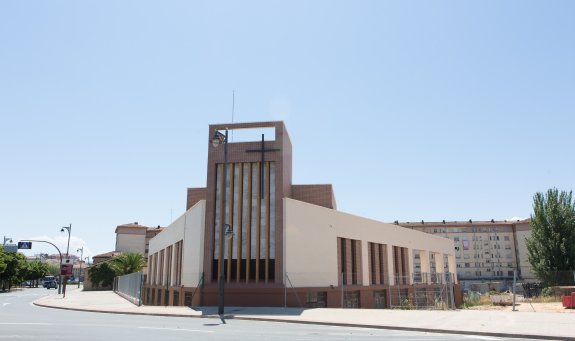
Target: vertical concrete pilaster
{"x": 439, "y": 264}
{"x": 425, "y": 267}
{"x": 364, "y": 263}
{"x": 390, "y": 268}
{"x": 452, "y": 267}
{"x": 410, "y": 267}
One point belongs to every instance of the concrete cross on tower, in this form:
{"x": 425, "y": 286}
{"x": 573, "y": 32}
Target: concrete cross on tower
{"x": 262, "y": 150}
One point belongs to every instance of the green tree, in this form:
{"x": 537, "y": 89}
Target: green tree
{"x": 102, "y": 274}
{"x": 35, "y": 271}
{"x": 3, "y": 267}
{"x": 2, "y": 260}
{"x": 551, "y": 247}
{"x": 15, "y": 272}
{"x": 128, "y": 262}
{"x": 52, "y": 269}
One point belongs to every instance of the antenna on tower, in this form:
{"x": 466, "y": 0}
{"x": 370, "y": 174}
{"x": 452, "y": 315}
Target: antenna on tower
{"x": 233, "y": 108}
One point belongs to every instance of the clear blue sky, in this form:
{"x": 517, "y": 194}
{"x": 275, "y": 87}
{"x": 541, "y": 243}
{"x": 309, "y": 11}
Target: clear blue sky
{"x": 413, "y": 110}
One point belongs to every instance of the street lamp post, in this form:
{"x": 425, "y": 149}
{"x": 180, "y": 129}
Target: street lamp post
{"x": 60, "y": 253}
{"x": 218, "y": 139}
{"x": 69, "y": 229}
{"x": 81, "y": 258}
{"x": 6, "y": 239}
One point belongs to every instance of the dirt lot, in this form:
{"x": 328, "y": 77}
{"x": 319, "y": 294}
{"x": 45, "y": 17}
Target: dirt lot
{"x": 526, "y": 305}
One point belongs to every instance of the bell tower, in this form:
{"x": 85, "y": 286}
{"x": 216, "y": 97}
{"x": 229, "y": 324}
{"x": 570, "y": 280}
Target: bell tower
{"x": 244, "y": 211}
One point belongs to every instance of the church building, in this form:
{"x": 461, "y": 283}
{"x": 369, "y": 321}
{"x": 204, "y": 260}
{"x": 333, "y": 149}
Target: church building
{"x": 275, "y": 243}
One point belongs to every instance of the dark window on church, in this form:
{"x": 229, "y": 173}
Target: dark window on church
{"x": 349, "y": 262}
{"x": 377, "y": 264}
{"x": 342, "y": 261}
{"x": 353, "y": 263}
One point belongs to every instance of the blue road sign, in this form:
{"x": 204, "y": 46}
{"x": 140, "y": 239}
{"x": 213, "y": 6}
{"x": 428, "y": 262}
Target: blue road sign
{"x": 11, "y": 248}
{"x": 25, "y": 245}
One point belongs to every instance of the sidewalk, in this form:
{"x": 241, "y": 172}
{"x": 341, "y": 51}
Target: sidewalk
{"x": 539, "y": 325}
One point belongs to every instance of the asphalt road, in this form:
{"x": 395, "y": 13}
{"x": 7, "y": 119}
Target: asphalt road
{"x": 21, "y": 320}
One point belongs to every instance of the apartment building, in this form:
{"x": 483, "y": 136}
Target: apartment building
{"x": 135, "y": 237}
{"x": 484, "y": 250}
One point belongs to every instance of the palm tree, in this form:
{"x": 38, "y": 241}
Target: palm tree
{"x": 128, "y": 262}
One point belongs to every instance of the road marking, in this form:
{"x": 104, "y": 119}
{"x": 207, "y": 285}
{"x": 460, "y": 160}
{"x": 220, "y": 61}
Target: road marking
{"x": 25, "y": 324}
{"x": 179, "y": 329}
{"x": 22, "y": 295}
{"x": 4, "y": 304}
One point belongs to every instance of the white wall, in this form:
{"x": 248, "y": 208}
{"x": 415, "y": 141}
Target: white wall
{"x": 189, "y": 227}
{"x": 526, "y": 269}
{"x": 310, "y": 237}
{"x": 131, "y": 242}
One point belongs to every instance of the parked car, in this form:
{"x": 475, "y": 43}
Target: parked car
{"x": 50, "y": 284}
{"x": 48, "y": 278}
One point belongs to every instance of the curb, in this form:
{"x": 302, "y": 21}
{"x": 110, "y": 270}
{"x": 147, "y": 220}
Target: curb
{"x": 112, "y": 311}
{"x": 413, "y": 329}
{"x": 334, "y": 324}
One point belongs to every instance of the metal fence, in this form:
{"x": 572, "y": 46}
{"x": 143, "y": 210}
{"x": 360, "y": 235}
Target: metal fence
{"x": 130, "y": 287}
{"x": 416, "y": 291}
{"x": 427, "y": 291}
{"x": 552, "y": 283}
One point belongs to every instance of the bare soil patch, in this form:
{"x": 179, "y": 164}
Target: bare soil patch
{"x": 527, "y": 305}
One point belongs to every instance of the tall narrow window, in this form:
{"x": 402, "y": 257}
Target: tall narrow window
{"x": 178, "y": 263}
{"x": 400, "y": 264}
{"x": 343, "y": 261}
{"x": 161, "y": 267}
{"x": 249, "y": 254}
{"x": 349, "y": 262}
{"x": 377, "y": 263}
{"x": 383, "y": 261}
{"x": 372, "y": 264}
{"x": 169, "y": 265}
{"x": 150, "y": 268}
{"x": 155, "y": 267}
{"x": 353, "y": 263}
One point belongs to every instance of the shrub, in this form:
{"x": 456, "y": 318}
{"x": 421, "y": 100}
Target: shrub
{"x": 547, "y": 291}
{"x": 405, "y": 304}
{"x": 102, "y": 274}
{"x": 471, "y": 299}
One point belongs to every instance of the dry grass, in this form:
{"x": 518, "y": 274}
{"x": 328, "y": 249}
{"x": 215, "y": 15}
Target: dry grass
{"x": 545, "y": 299}
{"x": 474, "y": 300}
{"x": 485, "y": 300}
{"x": 539, "y": 304}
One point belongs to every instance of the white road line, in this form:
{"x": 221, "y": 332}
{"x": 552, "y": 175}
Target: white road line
{"x": 25, "y": 324}
{"x": 483, "y": 337}
{"x": 179, "y": 329}
{"x": 4, "y": 304}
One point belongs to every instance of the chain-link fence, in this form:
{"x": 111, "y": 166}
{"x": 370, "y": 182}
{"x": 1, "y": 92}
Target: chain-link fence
{"x": 130, "y": 287}
{"x": 547, "y": 284}
{"x": 416, "y": 291}
{"x": 427, "y": 291}
{"x": 434, "y": 291}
